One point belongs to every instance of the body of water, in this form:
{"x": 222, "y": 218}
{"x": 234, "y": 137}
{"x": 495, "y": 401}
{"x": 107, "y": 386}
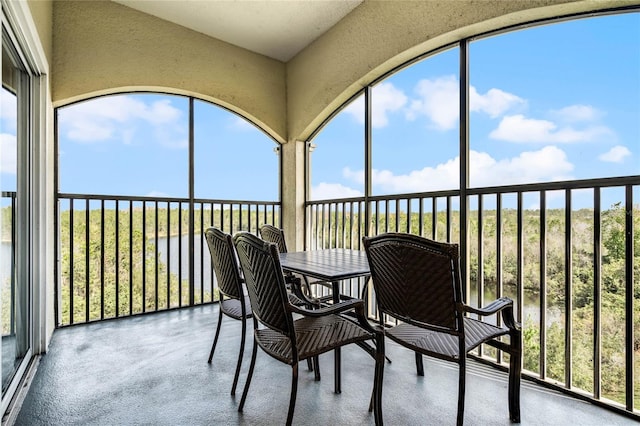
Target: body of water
{"x": 178, "y": 249}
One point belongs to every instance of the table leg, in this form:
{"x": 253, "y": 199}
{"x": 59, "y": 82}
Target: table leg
{"x": 335, "y": 287}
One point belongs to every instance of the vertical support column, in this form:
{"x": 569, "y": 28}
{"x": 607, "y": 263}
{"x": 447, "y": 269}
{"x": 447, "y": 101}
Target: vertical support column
{"x": 293, "y": 193}
{"x": 192, "y": 274}
{"x": 464, "y": 166}
{"x": 368, "y": 176}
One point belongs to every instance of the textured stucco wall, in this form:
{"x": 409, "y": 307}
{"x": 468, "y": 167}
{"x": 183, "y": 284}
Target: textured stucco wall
{"x": 377, "y": 36}
{"x": 103, "y": 47}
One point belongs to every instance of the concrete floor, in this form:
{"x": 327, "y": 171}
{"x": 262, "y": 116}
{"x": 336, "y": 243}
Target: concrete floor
{"x": 152, "y": 370}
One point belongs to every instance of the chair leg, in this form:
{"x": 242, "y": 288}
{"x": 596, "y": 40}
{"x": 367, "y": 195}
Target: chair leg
{"x": 378, "y": 380}
{"x": 249, "y": 375}
{"x": 239, "y": 365}
{"x": 294, "y": 391}
{"x": 337, "y": 380}
{"x": 316, "y": 367}
{"x": 461, "y": 387}
{"x": 419, "y": 365}
{"x": 215, "y": 339}
{"x": 515, "y": 368}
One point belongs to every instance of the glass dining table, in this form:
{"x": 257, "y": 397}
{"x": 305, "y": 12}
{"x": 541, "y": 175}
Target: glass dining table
{"x": 330, "y": 265}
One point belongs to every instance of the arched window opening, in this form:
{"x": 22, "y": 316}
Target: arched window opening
{"x": 141, "y": 177}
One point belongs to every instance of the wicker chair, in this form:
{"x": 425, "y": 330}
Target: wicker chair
{"x": 315, "y": 332}
{"x": 417, "y": 282}
{"x": 233, "y": 302}
{"x": 276, "y": 235}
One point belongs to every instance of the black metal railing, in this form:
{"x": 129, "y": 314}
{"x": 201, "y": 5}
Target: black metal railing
{"x": 120, "y": 256}
{"x": 567, "y": 253}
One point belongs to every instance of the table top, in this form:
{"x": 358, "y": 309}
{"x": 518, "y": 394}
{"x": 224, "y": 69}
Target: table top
{"x": 327, "y": 265}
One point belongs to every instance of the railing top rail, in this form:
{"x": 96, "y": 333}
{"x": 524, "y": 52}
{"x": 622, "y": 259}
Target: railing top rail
{"x": 559, "y": 185}
{"x": 337, "y": 200}
{"x": 157, "y": 198}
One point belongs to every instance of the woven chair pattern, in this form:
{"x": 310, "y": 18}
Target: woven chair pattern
{"x": 403, "y": 269}
{"x": 314, "y": 336}
{"x": 417, "y": 282}
{"x": 274, "y": 235}
{"x": 233, "y": 308}
{"x": 313, "y": 332}
{"x": 233, "y": 302}
{"x": 224, "y": 263}
{"x": 266, "y": 288}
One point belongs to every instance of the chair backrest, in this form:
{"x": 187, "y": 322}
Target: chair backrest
{"x": 263, "y": 276}
{"x": 225, "y": 264}
{"x": 274, "y": 235}
{"x": 416, "y": 280}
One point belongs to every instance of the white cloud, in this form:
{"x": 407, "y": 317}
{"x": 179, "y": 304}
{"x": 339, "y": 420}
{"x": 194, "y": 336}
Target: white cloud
{"x": 122, "y": 117}
{"x": 386, "y": 99}
{"x": 8, "y": 154}
{"x": 353, "y": 175}
{"x": 327, "y": 191}
{"x": 577, "y": 113}
{"x": 518, "y": 128}
{"x": 547, "y": 164}
{"x": 616, "y": 154}
{"x": 439, "y": 102}
{"x": 443, "y": 176}
{"x": 494, "y": 103}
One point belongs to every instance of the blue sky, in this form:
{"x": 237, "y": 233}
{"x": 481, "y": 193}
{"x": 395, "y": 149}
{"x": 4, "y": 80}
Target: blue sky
{"x": 555, "y": 102}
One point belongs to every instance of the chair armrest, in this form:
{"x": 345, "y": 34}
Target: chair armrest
{"x": 357, "y": 305}
{"x": 503, "y": 305}
{"x": 296, "y": 290}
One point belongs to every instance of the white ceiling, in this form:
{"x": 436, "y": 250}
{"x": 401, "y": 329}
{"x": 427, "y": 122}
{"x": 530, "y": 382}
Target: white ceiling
{"x": 278, "y": 29}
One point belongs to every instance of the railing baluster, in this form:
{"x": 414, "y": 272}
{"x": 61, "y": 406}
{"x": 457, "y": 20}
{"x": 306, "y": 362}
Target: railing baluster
{"x": 71, "y": 263}
{"x": 480, "y": 273}
{"x": 101, "y": 259}
{"x": 168, "y": 255}
{"x": 543, "y": 285}
{"x": 117, "y": 257}
{"x": 629, "y": 298}
{"x": 597, "y": 294}
{"x": 155, "y": 257}
{"x": 130, "y": 257}
{"x": 87, "y": 259}
{"x": 568, "y": 293}
{"x": 448, "y": 221}
{"x": 179, "y": 254}
{"x": 144, "y": 256}
{"x": 434, "y": 218}
{"x": 202, "y": 244}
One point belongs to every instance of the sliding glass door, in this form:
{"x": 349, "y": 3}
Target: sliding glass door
{"x": 15, "y": 211}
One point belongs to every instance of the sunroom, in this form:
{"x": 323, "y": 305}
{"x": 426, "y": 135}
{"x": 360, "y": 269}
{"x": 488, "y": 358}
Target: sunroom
{"x": 129, "y": 127}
